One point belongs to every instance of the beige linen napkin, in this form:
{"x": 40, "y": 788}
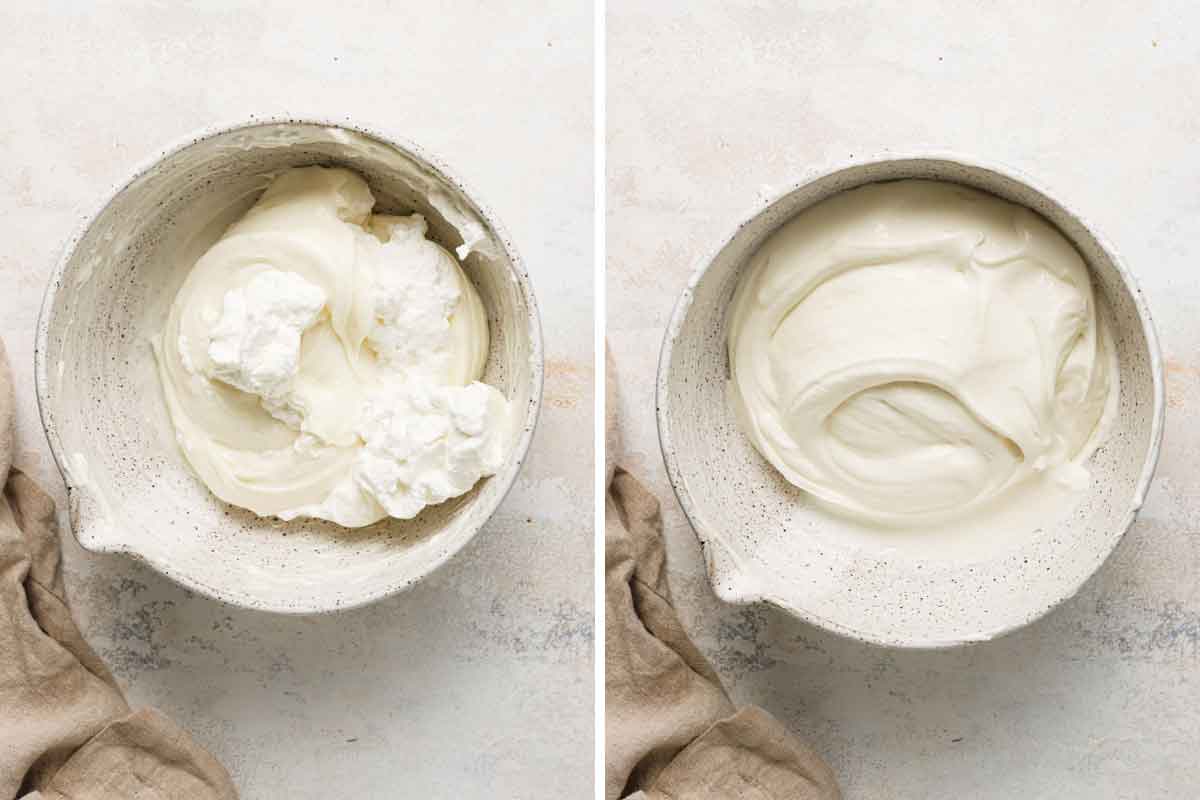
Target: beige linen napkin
{"x": 671, "y": 731}
{"x": 66, "y": 732}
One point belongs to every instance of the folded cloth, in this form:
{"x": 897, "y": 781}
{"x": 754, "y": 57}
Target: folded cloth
{"x": 671, "y": 731}
{"x": 66, "y": 732}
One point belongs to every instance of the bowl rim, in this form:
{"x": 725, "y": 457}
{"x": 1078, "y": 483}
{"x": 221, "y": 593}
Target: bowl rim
{"x": 712, "y": 541}
{"x": 420, "y": 155}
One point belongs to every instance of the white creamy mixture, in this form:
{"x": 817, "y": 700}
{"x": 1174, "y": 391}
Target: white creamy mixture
{"x": 322, "y": 361}
{"x": 910, "y": 351}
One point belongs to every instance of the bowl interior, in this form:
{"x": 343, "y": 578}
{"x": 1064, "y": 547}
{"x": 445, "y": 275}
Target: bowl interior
{"x": 103, "y": 408}
{"x": 765, "y": 540}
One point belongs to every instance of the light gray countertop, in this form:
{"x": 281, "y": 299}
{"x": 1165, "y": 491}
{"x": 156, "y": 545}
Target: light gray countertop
{"x": 478, "y": 682}
{"x": 713, "y": 105}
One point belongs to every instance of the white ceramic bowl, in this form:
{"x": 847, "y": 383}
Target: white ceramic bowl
{"x": 129, "y": 487}
{"x": 764, "y": 542}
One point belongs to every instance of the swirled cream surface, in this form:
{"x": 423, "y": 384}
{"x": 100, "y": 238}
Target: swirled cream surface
{"x": 323, "y": 361}
{"x": 908, "y": 352}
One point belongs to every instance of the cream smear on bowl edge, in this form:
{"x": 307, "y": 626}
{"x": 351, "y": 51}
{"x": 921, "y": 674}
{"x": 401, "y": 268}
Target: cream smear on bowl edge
{"x": 323, "y": 361}
{"x": 922, "y": 358}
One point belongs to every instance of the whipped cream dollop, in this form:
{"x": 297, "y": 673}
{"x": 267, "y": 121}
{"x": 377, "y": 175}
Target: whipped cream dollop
{"x": 909, "y": 351}
{"x": 323, "y": 361}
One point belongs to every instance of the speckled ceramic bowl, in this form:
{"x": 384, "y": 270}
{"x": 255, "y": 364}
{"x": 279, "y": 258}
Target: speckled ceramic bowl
{"x": 102, "y": 407}
{"x": 764, "y": 541}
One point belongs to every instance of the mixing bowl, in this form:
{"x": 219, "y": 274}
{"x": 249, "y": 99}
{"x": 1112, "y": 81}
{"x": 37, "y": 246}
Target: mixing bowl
{"x": 129, "y": 487}
{"x": 765, "y": 541}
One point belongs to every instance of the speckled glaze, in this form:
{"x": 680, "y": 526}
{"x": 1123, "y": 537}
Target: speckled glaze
{"x": 762, "y": 540}
{"x": 131, "y": 491}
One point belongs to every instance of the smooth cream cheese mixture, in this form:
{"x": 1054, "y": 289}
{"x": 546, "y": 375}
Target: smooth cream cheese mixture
{"x": 909, "y": 351}
{"x": 323, "y": 361}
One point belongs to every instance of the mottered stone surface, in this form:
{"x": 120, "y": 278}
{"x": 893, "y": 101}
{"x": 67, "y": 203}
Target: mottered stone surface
{"x": 711, "y": 107}
{"x": 477, "y": 683}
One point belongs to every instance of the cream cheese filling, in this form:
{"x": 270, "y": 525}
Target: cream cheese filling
{"x": 323, "y": 361}
{"x": 909, "y": 351}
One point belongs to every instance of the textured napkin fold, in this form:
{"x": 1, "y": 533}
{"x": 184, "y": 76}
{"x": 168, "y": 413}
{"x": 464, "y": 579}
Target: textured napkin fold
{"x": 671, "y": 731}
{"x": 66, "y": 732}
